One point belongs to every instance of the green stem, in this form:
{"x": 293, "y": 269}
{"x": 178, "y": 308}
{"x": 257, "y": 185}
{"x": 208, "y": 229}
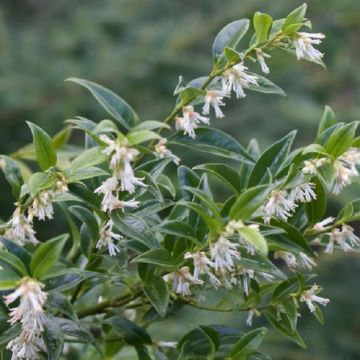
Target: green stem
{"x": 104, "y": 305}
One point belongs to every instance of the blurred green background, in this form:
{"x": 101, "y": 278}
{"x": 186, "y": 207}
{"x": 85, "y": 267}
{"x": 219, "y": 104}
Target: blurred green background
{"x": 138, "y": 48}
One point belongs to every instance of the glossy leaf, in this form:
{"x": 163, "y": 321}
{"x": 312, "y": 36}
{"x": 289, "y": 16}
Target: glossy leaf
{"x": 229, "y": 36}
{"x": 46, "y": 255}
{"x": 112, "y": 103}
{"x": 156, "y": 290}
{"x": 44, "y": 149}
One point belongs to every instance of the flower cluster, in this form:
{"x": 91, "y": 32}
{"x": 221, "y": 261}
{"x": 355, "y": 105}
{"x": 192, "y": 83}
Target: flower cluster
{"x": 234, "y": 79}
{"x": 283, "y": 203}
{"x": 123, "y": 177}
{"x": 310, "y": 297}
{"x": 30, "y": 314}
{"x": 20, "y": 226}
{"x": 220, "y": 267}
{"x": 300, "y": 260}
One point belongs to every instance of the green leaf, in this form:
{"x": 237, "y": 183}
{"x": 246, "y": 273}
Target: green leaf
{"x": 39, "y": 181}
{"x": 177, "y": 228}
{"x": 160, "y": 257}
{"x": 248, "y": 344}
{"x": 87, "y": 158}
{"x": 229, "y": 36}
{"x": 328, "y": 119}
{"x": 8, "y": 277}
{"x": 132, "y": 333}
{"x": 112, "y": 103}
{"x": 61, "y": 138}
{"x": 61, "y": 303}
{"x": 157, "y": 292}
{"x": 254, "y": 237}
{"x": 224, "y": 172}
{"x": 12, "y": 175}
{"x": 17, "y": 250}
{"x": 249, "y": 201}
{"x": 196, "y": 344}
{"x": 15, "y": 263}
{"x": 271, "y": 160}
{"x": 86, "y": 217}
{"x": 138, "y": 137}
{"x": 10, "y": 334}
{"x": 84, "y": 173}
{"x": 53, "y": 338}
{"x": 150, "y": 125}
{"x": 46, "y": 255}
{"x": 44, "y": 149}
{"x": 316, "y": 209}
{"x": 262, "y": 26}
{"x": 214, "y": 226}
{"x": 341, "y": 139}
{"x": 283, "y": 326}
{"x": 265, "y": 86}
{"x": 295, "y": 17}
{"x": 213, "y": 141}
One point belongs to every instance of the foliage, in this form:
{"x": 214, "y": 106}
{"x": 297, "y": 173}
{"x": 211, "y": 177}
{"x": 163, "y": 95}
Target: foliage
{"x": 143, "y": 245}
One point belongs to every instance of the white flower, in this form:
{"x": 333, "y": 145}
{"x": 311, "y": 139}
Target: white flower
{"x": 309, "y": 297}
{"x": 348, "y": 234}
{"x": 236, "y": 79}
{"x": 31, "y": 315}
{"x": 345, "y": 238}
{"x": 279, "y": 205}
{"x": 289, "y": 258}
{"x": 320, "y": 226}
{"x": 162, "y": 151}
{"x": 311, "y": 166}
{"x": 304, "y": 45}
{"x": 260, "y": 55}
{"x": 182, "y": 281}
{"x": 303, "y": 193}
{"x": 61, "y": 187}
{"x": 20, "y": 229}
{"x": 107, "y": 238}
{"x": 223, "y": 252}
{"x": 119, "y": 151}
{"x": 41, "y": 206}
{"x": 351, "y": 158}
{"x": 190, "y": 121}
{"x": 128, "y": 180}
{"x": 250, "y": 316}
{"x": 202, "y": 265}
{"x": 166, "y": 344}
{"x": 22, "y": 348}
{"x": 248, "y": 274}
{"x": 306, "y": 261}
{"x": 108, "y": 188}
{"x": 343, "y": 176}
{"x": 214, "y": 98}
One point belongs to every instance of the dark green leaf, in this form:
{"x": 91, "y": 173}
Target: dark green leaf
{"x": 160, "y": 257}
{"x": 328, "y": 119}
{"x": 13, "y": 175}
{"x": 271, "y": 160}
{"x": 213, "y": 141}
{"x": 53, "y": 338}
{"x": 157, "y": 292}
{"x": 112, "y": 103}
{"x": 248, "y": 344}
{"x": 229, "y": 36}
{"x": 341, "y": 139}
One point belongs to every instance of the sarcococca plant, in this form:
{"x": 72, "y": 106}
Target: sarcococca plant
{"x": 143, "y": 243}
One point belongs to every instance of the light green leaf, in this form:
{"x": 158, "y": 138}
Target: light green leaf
{"x": 254, "y": 237}
{"x": 262, "y": 25}
{"x": 138, "y": 137}
{"x": 44, "y": 148}
{"x": 46, "y": 255}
